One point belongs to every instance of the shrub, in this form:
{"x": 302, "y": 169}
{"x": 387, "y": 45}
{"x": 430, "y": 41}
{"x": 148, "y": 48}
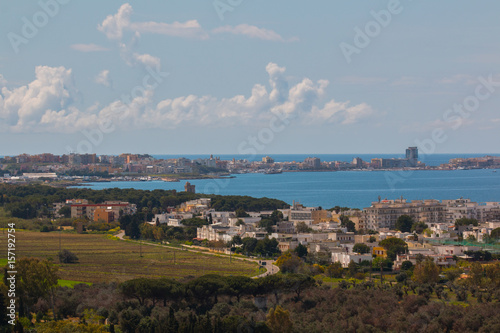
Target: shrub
{"x": 67, "y": 257}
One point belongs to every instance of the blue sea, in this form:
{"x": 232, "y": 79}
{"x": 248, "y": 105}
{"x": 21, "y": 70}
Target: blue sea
{"x": 355, "y": 189}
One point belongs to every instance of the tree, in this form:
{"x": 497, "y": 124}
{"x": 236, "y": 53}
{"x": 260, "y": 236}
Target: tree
{"x": 3, "y": 305}
{"x": 140, "y": 289}
{"x": 194, "y": 222}
{"x": 394, "y": 246}
{"x": 464, "y": 221}
{"x": 301, "y": 250}
{"x": 278, "y": 320}
{"x": 471, "y": 238}
{"x": 495, "y": 233}
{"x": 347, "y": 223}
{"x": 237, "y": 240}
{"x": 277, "y": 216}
{"x": 129, "y": 320}
{"x": 205, "y": 287}
{"x": 35, "y": 279}
{"x": 404, "y": 223}
{"x": 426, "y": 272}
{"x": 240, "y": 212}
{"x": 419, "y": 227}
{"x": 301, "y": 227}
{"x": 479, "y": 255}
{"x": 65, "y": 211}
{"x": 384, "y": 262}
{"x": 335, "y": 270}
{"x": 249, "y": 244}
{"x": 67, "y": 257}
{"x": 352, "y": 269}
{"x": 406, "y": 265}
{"x": 361, "y": 248}
{"x": 476, "y": 274}
{"x": 267, "y": 247}
{"x": 267, "y": 224}
{"x": 297, "y": 283}
{"x": 238, "y": 286}
{"x": 289, "y": 263}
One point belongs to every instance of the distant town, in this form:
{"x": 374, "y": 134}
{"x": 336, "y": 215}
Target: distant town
{"x": 94, "y": 167}
{"x": 430, "y": 228}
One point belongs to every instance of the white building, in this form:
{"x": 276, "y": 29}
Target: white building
{"x": 346, "y": 258}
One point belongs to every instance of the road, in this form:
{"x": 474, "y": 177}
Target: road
{"x": 268, "y": 263}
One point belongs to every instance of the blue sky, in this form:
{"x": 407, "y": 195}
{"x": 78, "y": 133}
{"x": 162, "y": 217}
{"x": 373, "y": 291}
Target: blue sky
{"x": 172, "y": 77}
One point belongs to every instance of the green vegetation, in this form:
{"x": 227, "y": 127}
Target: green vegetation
{"x": 105, "y": 260}
{"x": 404, "y": 223}
{"x": 347, "y": 223}
{"x": 277, "y": 303}
{"x": 394, "y": 246}
{"x": 30, "y": 201}
{"x": 466, "y": 221}
{"x": 361, "y": 248}
{"x": 70, "y": 284}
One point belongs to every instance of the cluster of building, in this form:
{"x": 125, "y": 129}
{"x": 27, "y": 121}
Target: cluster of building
{"x": 314, "y": 163}
{"x": 325, "y": 235}
{"x": 321, "y": 231}
{"x": 40, "y": 166}
{"x": 383, "y": 214}
{"x": 485, "y": 162}
{"x": 27, "y": 167}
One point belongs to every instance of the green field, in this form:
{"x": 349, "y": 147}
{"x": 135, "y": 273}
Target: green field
{"x": 105, "y": 260}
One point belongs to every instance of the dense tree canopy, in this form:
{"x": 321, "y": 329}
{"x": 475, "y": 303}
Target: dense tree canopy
{"x": 404, "y": 223}
{"x": 464, "y": 221}
{"x": 394, "y": 246}
{"x": 26, "y": 201}
{"x": 361, "y": 248}
{"x": 347, "y": 223}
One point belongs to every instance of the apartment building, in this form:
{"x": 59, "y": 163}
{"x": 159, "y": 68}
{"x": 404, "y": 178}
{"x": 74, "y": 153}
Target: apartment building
{"x": 385, "y": 213}
{"x": 116, "y": 208}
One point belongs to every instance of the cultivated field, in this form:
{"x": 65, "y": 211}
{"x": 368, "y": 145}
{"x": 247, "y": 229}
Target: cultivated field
{"x": 105, "y": 260}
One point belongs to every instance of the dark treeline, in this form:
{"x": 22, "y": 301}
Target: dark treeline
{"x": 30, "y": 201}
{"x": 276, "y": 303}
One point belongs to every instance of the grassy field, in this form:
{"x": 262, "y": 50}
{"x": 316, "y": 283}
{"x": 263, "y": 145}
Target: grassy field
{"x": 105, "y": 260}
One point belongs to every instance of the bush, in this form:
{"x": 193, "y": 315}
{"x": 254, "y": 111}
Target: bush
{"x": 67, "y": 257}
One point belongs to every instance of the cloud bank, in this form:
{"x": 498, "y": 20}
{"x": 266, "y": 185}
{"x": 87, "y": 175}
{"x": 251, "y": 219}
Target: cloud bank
{"x": 46, "y": 105}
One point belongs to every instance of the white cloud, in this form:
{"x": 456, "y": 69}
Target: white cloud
{"x": 45, "y": 105}
{"x": 3, "y": 81}
{"x": 147, "y": 60}
{"x": 459, "y": 78}
{"x": 22, "y": 108}
{"x": 113, "y": 25}
{"x": 103, "y": 78}
{"x": 252, "y": 32}
{"x": 89, "y": 48}
{"x": 407, "y": 81}
{"x": 188, "y": 29}
{"x": 364, "y": 80}
{"x": 278, "y": 82}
